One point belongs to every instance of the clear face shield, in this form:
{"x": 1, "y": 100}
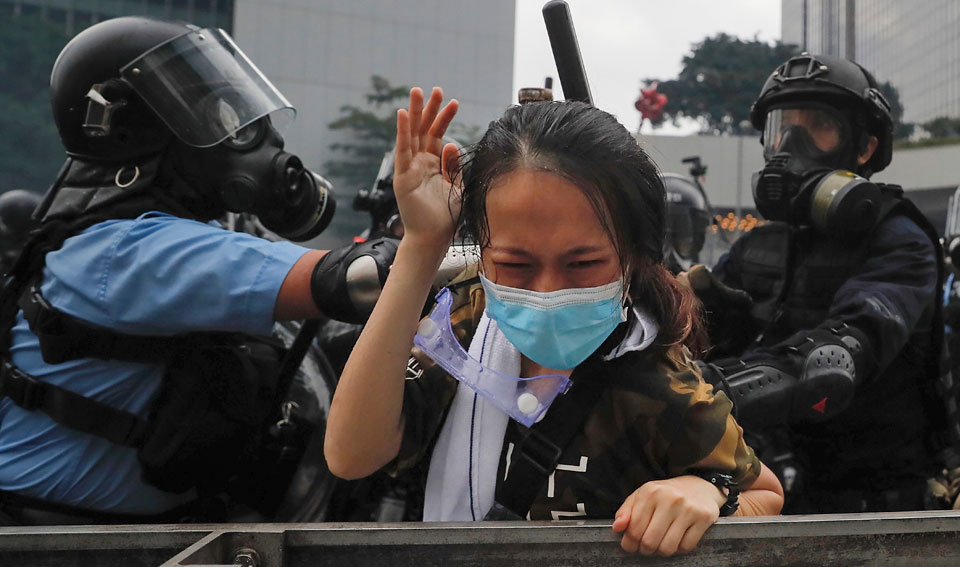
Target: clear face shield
{"x": 807, "y": 131}
{"x": 205, "y": 88}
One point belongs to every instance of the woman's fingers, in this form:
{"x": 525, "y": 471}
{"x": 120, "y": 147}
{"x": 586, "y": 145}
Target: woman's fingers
{"x": 450, "y": 164}
{"x": 674, "y": 534}
{"x": 660, "y": 522}
{"x": 433, "y": 140}
{"x": 640, "y": 514}
{"x": 692, "y": 536}
{"x": 629, "y": 544}
{"x": 403, "y": 154}
{"x": 429, "y": 115}
{"x": 416, "y": 113}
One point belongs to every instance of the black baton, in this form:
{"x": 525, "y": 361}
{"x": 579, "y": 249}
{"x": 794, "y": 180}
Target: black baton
{"x": 566, "y": 51}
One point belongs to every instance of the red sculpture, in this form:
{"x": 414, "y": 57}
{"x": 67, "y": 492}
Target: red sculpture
{"x": 651, "y": 103}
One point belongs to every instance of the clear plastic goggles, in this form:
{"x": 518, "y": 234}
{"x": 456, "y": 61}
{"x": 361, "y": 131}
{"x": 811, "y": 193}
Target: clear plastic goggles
{"x": 523, "y": 399}
{"x": 204, "y": 87}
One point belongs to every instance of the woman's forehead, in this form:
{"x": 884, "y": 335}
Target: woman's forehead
{"x": 536, "y": 208}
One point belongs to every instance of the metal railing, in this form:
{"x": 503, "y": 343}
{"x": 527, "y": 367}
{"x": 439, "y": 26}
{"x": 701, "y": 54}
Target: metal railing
{"x": 905, "y": 538}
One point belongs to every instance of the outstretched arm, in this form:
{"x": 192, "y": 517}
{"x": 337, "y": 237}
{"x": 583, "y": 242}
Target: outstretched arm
{"x": 365, "y": 426}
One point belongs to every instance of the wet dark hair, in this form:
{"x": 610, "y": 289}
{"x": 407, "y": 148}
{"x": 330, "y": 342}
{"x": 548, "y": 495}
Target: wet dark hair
{"x": 592, "y": 150}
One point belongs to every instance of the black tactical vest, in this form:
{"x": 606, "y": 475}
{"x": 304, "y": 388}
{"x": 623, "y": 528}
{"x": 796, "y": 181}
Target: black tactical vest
{"x": 793, "y": 275}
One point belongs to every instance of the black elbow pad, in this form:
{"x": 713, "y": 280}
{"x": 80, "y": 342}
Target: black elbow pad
{"x": 346, "y": 283}
{"x": 810, "y": 378}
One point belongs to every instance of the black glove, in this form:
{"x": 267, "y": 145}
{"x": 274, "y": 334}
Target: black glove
{"x": 729, "y": 319}
{"x": 714, "y": 293}
{"x": 347, "y": 282}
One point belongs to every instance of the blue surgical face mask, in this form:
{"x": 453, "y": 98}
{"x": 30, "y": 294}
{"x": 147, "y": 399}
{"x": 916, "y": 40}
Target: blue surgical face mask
{"x": 556, "y": 329}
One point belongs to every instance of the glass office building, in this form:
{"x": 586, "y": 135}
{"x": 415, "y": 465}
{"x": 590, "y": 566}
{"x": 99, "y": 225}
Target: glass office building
{"x": 914, "y": 45}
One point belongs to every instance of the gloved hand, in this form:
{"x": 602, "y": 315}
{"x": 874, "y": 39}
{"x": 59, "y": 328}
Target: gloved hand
{"x": 729, "y": 316}
{"x": 713, "y": 292}
{"x": 346, "y": 283}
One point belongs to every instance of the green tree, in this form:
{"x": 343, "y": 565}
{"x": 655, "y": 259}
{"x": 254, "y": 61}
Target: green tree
{"x": 368, "y": 132}
{"x": 372, "y": 132}
{"x": 719, "y": 81}
{"x": 30, "y": 150}
{"x": 943, "y": 127}
{"x": 901, "y": 129}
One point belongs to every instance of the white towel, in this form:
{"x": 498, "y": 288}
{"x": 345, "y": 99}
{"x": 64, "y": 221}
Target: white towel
{"x": 462, "y": 476}
{"x": 462, "y": 479}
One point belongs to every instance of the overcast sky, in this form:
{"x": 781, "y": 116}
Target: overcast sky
{"x": 625, "y": 41}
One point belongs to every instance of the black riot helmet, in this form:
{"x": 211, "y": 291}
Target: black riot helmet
{"x": 120, "y": 87}
{"x": 816, "y": 115}
{"x": 688, "y": 218}
{"x": 839, "y": 87}
{"x": 98, "y": 116}
{"x": 145, "y": 104}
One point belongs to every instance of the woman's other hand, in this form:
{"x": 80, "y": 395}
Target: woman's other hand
{"x": 667, "y": 516}
{"x": 427, "y": 194}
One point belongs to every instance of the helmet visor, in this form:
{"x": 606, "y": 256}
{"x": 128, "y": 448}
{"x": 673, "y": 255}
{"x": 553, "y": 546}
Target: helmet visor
{"x": 204, "y": 87}
{"x": 687, "y": 230}
{"x": 816, "y": 130}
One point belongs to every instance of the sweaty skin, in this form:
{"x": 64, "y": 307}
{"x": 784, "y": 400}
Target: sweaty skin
{"x": 537, "y": 243}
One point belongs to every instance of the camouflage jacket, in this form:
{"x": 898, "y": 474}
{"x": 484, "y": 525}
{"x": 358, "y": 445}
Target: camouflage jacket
{"x": 657, "y": 421}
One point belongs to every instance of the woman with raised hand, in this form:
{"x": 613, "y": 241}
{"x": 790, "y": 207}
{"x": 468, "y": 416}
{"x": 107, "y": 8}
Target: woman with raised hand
{"x": 553, "y": 380}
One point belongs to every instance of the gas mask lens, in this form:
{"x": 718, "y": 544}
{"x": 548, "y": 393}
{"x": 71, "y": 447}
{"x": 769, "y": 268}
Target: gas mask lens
{"x": 805, "y": 131}
{"x": 247, "y": 137}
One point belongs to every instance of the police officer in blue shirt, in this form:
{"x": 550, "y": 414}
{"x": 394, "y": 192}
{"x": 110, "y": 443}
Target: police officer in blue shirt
{"x": 138, "y": 378}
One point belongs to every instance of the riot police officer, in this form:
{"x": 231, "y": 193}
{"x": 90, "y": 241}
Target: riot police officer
{"x": 139, "y": 381}
{"x": 828, "y": 319}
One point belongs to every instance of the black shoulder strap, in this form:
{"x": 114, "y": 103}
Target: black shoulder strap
{"x": 64, "y": 337}
{"x": 536, "y": 455}
{"x": 70, "y": 409}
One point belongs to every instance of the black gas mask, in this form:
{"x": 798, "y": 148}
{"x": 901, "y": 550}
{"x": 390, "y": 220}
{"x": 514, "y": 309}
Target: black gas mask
{"x": 227, "y": 116}
{"x": 806, "y": 180}
{"x": 249, "y": 172}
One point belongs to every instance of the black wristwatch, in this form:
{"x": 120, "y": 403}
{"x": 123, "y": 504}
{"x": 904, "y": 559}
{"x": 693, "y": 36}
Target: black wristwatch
{"x": 727, "y": 485}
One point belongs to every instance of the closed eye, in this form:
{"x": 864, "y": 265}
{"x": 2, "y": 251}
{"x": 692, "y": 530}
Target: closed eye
{"x": 512, "y": 265}
{"x": 580, "y": 264}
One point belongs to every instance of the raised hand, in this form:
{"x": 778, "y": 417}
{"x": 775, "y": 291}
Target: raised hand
{"x": 428, "y": 195}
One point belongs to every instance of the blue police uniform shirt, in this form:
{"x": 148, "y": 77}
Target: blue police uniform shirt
{"x": 154, "y": 275}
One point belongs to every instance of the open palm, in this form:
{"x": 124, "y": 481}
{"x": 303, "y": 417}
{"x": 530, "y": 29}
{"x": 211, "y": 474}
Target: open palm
{"x": 427, "y": 194}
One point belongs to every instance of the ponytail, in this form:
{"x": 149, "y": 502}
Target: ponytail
{"x": 674, "y": 306}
